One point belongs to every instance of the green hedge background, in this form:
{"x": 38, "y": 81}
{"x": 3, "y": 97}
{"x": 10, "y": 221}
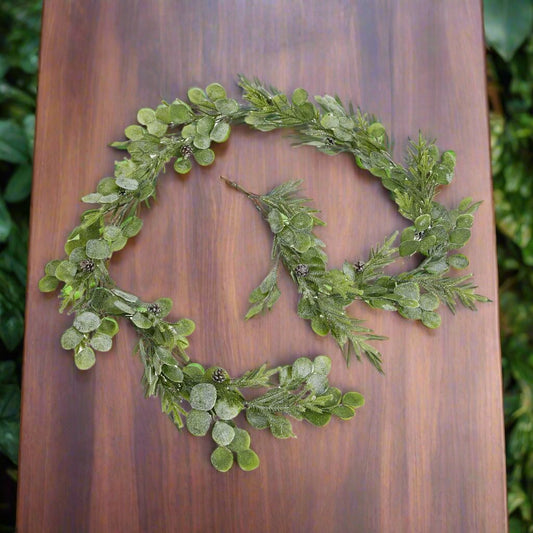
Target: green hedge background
{"x": 509, "y": 38}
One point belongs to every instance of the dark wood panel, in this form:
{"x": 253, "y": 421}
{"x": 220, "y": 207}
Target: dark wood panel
{"x": 426, "y": 452}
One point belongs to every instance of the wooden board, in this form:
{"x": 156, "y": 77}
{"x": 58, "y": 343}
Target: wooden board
{"x": 426, "y": 453}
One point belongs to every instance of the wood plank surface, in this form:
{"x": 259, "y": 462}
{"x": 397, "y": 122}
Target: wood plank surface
{"x": 426, "y": 453}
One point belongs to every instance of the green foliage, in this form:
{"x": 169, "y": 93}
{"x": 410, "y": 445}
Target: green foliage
{"x": 512, "y": 163}
{"x": 507, "y": 25}
{"x": 19, "y": 40}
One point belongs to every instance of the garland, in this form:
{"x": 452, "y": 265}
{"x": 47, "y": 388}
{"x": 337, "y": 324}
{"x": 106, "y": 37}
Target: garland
{"x": 209, "y": 400}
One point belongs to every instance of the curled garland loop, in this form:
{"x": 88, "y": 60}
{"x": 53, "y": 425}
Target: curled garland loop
{"x": 209, "y": 400}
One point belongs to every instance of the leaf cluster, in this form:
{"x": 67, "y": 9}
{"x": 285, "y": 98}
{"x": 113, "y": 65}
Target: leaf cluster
{"x": 210, "y": 401}
{"x": 325, "y": 293}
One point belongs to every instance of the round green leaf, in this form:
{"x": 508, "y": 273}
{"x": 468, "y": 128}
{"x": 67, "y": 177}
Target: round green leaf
{"x": 318, "y": 382}
{"x": 194, "y": 370}
{"x": 430, "y": 319}
{"x": 220, "y": 132}
{"x": 162, "y": 113}
{"x": 145, "y": 116}
{"x": 101, "y": 342}
{"x": 196, "y": 95}
{"x": 184, "y": 327}
{"x": 227, "y": 106}
{"x": 429, "y": 302}
{"x": 198, "y": 422}
{"x": 87, "y": 322}
{"x": 409, "y": 291}
{"x": 205, "y": 125}
{"x": 464, "y": 221}
{"x": 215, "y": 91}
{"x": 97, "y": 249}
{"x": 118, "y": 243}
{"x": 329, "y": 121}
{"x": 108, "y": 326}
{"x": 320, "y": 326}
{"x": 201, "y": 142}
{"x": 203, "y": 396}
{"x": 299, "y": 96}
{"x": 222, "y": 459}
{"x": 134, "y": 132}
{"x": 276, "y": 220}
{"x": 317, "y": 419}
{"x": 353, "y": 399}
{"x": 48, "y": 283}
{"x": 408, "y": 248}
{"x": 165, "y": 306}
{"x": 182, "y": 165}
{"x": 241, "y": 441}
{"x": 132, "y": 226}
{"x": 84, "y": 358}
{"x": 247, "y": 460}
{"x": 301, "y": 368}
{"x": 107, "y": 186}
{"x": 204, "y": 157}
{"x": 459, "y": 236}
{"x": 228, "y": 407}
{"x": 65, "y": 271}
{"x": 343, "y": 412}
{"x": 411, "y": 313}
{"x": 172, "y": 372}
{"x": 180, "y": 113}
{"x": 458, "y": 261}
{"x": 322, "y": 365}
{"x": 280, "y": 427}
{"x": 50, "y": 268}
{"x": 111, "y": 232}
{"x": 302, "y": 221}
{"x": 71, "y": 338}
{"x": 334, "y": 397}
{"x": 256, "y": 419}
{"x": 422, "y": 222}
{"x": 223, "y": 434}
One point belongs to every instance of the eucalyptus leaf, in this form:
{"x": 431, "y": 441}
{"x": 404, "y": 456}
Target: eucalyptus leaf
{"x": 198, "y": 422}
{"x": 203, "y": 397}
{"x": 87, "y": 321}
{"x": 247, "y": 460}
{"x": 84, "y": 358}
{"x": 223, "y": 434}
{"x": 71, "y": 338}
{"x": 97, "y": 249}
{"x": 222, "y": 459}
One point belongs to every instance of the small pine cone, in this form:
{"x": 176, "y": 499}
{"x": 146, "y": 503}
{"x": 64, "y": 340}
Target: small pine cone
{"x": 87, "y": 265}
{"x": 301, "y": 271}
{"x": 187, "y": 151}
{"x": 359, "y": 266}
{"x": 219, "y": 376}
{"x": 155, "y": 309}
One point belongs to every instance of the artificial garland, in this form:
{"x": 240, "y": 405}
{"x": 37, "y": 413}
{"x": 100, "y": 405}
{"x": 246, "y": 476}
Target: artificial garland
{"x": 210, "y": 400}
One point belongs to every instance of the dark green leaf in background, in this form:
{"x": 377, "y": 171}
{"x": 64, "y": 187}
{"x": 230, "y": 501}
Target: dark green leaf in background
{"x": 508, "y": 23}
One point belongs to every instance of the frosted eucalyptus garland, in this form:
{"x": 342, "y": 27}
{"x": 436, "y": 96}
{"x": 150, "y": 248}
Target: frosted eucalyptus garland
{"x": 209, "y": 400}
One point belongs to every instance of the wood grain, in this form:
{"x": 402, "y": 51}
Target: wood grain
{"x": 426, "y": 453}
